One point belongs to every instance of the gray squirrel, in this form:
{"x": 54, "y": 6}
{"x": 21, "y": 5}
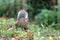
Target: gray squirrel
{"x": 22, "y": 14}
{"x": 22, "y": 19}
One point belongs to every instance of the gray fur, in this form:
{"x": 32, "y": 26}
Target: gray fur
{"x": 22, "y": 14}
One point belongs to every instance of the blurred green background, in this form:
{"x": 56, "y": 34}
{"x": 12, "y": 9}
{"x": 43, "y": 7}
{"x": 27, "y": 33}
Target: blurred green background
{"x": 40, "y": 11}
{"x": 44, "y": 16}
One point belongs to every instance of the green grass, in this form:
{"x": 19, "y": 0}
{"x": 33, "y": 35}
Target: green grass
{"x": 40, "y": 33}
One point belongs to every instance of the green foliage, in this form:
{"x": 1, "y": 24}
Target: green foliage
{"x": 8, "y": 8}
{"x": 40, "y": 32}
{"x": 46, "y": 17}
{"x": 19, "y": 32}
{"x": 9, "y": 33}
{"x": 33, "y": 27}
{"x": 34, "y": 7}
